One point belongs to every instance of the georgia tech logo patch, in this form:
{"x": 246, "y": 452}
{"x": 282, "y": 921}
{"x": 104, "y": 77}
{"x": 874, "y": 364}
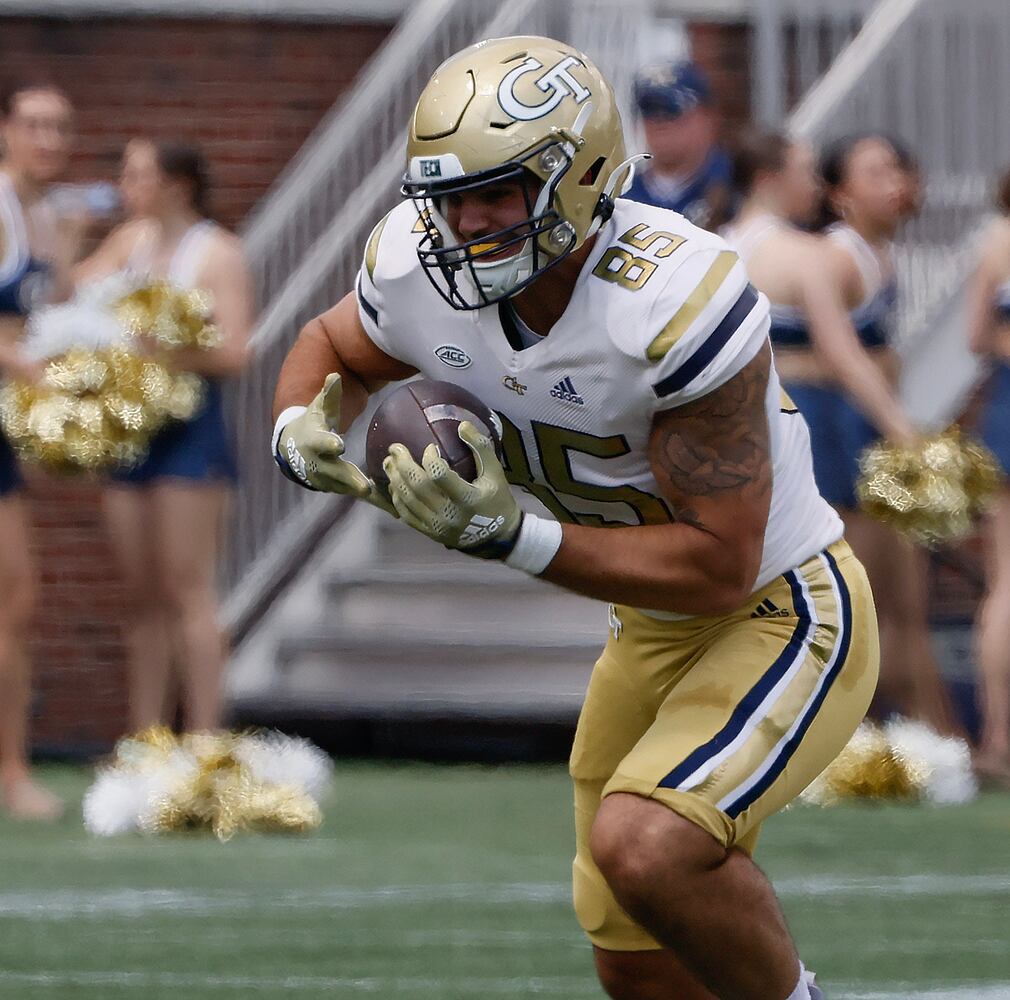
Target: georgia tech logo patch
{"x": 453, "y": 355}
{"x": 556, "y": 82}
{"x": 511, "y": 382}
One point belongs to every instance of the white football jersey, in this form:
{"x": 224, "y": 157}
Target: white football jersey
{"x": 662, "y": 314}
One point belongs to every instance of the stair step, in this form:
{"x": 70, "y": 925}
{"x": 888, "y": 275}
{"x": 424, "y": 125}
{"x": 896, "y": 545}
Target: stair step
{"x": 410, "y": 630}
{"x": 356, "y": 702}
{"x": 480, "y": 595}
{"x": 471, "y": 573}
{"x": 496, "y": 684}
{"x": 435, "y": 645}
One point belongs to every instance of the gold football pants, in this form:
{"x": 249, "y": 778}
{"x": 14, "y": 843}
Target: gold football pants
{"x": 724, "y": 720}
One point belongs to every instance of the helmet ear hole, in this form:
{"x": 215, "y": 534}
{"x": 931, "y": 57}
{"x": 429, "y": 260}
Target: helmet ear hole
{"x": 589, "y": 177}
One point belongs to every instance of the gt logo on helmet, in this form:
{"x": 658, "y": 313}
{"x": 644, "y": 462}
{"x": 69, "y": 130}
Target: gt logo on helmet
{"x": 557, "y": 82}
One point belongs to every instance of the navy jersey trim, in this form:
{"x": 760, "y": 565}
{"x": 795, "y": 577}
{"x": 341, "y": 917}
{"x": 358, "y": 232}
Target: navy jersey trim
{"x": 373, "y": 313}
{"x": 707, "y": 352}
{"x": 508, "y": 324}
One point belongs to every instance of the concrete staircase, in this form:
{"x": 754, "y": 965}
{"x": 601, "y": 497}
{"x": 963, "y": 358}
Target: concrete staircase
{"x": 388, "y": 625}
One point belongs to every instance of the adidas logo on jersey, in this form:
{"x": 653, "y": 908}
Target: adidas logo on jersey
{"x": 565, "y": 391}
{"x": 768, "y": 609}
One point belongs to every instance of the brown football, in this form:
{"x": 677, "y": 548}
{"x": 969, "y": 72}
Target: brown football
{"x": 425, "y": 412}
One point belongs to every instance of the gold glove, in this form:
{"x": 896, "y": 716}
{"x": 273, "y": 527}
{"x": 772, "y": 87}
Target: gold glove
{"x": 309, "y": 450}
{"x": 480, "y": 518}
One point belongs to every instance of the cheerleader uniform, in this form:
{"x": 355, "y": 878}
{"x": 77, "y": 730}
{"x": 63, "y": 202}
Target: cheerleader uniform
{"x": 996, "y": 416}
{"x": 197, "y": 450}
{"x": 839, "y": 431}
{"x": 25, "y": 283}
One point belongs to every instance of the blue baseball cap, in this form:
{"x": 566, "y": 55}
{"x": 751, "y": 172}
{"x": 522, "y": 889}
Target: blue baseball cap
{"x": 670, "y": 89}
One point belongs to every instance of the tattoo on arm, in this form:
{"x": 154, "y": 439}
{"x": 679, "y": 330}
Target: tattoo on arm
{"x": 717, "y": 444}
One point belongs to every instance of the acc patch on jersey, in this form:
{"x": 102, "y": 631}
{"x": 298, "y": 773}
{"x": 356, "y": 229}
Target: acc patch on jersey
{"x": 452, "y": 355}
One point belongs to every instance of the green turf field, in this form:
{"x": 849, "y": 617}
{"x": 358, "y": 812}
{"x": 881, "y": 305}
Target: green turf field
{"x": 452, "y": 883}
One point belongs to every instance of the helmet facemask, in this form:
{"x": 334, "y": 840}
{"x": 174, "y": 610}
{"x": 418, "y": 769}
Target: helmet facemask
{"x": 471, "y": 274}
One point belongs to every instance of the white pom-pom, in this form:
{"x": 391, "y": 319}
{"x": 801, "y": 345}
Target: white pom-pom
{"x": 56, "y": 330}
{"x": 87, "y": 321}
{"x": 109, "y": 290}
{"x": 944, "y": 761}
{"x": 126, "y": 797}
{"x": 114, "y": 803}
{"x": 276, "y": 759}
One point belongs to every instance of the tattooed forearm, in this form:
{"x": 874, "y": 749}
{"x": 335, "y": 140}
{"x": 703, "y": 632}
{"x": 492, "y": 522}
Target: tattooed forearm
{"x": 717, "y": 444}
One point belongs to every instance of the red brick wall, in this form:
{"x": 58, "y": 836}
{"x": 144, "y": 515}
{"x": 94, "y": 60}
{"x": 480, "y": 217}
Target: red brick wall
{"x": 722, "y": 49}
{"x": 76, "y": 644}
{"x": 249, "y": 92}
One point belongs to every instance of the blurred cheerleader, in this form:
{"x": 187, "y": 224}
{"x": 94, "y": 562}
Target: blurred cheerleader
{"x": 35, "y": 125}
{"x": 832, "y": 307}
{"x": 811, "y": 326}
{"x": 989, "y": 335}
{"x": 872, "y": 186}
{"x": 165, "y": 515}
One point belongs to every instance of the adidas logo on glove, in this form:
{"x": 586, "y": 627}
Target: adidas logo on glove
{"x": 480, "y": 529}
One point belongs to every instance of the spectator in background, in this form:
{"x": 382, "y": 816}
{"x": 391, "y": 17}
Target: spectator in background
{"x": 689, "y": 172}
{"x": 36, "y": 122}
{"x": 868, "y": 195}
{"x": 989, "y": 336}
{"x": 810, "y": 323}
{"x": 165, "y": 515}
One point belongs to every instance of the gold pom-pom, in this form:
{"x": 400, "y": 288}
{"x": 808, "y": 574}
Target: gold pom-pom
{"x": 866, "y": 769}
{"x": 219, "y": 782}
{"x": 901, "y": 761}
{"x": 172, "y": 317}
{"x": 932, "y": 493}
{"x": 95, "y": 409}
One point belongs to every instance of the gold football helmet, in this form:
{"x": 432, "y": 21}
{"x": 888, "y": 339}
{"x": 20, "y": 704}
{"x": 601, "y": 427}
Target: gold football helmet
{"x": 525, "y": 109}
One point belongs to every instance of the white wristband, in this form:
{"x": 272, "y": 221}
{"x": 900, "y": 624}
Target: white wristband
{"x": 538, "y": 543}
{"x": 282, "y": 421}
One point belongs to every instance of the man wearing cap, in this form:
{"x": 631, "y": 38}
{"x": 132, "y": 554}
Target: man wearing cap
{"x": 689, "y": 172}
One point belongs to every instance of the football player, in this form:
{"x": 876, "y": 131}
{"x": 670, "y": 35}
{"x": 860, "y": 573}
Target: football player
{"x": 628, "y": 358}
